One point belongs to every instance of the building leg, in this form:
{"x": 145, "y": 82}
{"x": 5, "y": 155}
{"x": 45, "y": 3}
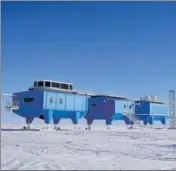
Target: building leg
{"x": 145, "y": 122}
{"x": 108, "y": 123}
{"x": 56, "y": 122}
{"x": 75, "y": 122}
{"x": 163, "y": 120}
{"x": 76, "y": 126}
{"x": 89, "y": 127}
{"x": 29, "y": 121}
{"x": 48, "y": 119}
{"x": 89, "y": 123}
{"x": 150, "y": 120}
{"x": 75, "y": 119}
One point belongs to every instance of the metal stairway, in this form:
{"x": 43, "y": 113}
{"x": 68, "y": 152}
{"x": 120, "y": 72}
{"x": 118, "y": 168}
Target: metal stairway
{"x": 132, "y": 118}
{"x": 11, "y": 104}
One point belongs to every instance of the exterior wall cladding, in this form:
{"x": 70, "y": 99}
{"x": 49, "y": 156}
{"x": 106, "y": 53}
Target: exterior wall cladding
{"x": 52, "y": 106}
{"x": 149, "y": 112}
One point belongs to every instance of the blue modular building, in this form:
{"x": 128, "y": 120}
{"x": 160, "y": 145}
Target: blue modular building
{"x": 108, "y": 108}
{"x": 51, "y": 101}
{"x": 149, "y": 111}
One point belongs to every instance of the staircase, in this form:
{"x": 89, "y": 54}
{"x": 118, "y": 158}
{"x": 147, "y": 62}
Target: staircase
{"x": 127, "y": 112}
{"x": 12, "y": 105}
{"x": 132, "y": 118}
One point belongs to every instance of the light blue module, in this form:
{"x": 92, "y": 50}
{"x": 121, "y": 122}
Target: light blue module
{"x": 122, "y": 106}
{"x": 149, "y": 112}
{"x": 51, "y": 105}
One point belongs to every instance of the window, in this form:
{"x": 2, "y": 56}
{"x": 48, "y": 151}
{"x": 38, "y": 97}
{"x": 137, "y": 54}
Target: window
{"x": 60, "y": 100}
{"x": 51, "y": 100}
{"x": 55, "y": 85}
{"x": 35, "y": 84}
{"x": 47, "y": 84}
{"x": 27, "y": 100}
{"x": 71, "y": 87}
{"x": 40, "y": 84}
{"x": 93, "y": 104}
{"x": 64, "y": 86}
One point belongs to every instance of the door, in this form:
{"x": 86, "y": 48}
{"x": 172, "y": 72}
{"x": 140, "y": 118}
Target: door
{"x": 61, "y": 101}
{"x": 51, "y": 100}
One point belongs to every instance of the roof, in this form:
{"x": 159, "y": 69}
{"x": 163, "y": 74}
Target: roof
{"x": 61, "y": 90}
{"x": 52, "y": 89}
{"x": 158, "y": 102}
{"x": 55, "y": 81}
{"x": 110, "y": 96}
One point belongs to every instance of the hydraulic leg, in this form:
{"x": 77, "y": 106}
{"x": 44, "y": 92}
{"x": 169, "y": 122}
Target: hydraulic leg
{"x": 29, "y": 121}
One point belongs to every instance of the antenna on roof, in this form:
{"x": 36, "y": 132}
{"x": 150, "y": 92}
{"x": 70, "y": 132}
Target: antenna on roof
{"x": 172, "y": 115}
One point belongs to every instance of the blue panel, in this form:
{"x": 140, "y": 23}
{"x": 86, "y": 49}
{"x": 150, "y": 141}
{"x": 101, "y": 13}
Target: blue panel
{"x": 85, "y": 103}
{"x": 44, "y": 100}
{"x": 142, "y": 107}
{"x": 118, "y": 116}
{"x": 30, "y": 109}
{"x": 97, "y": 108}
{"x": 78, "y": 102}
{"x": 100, "y": 108}
{"x": 158, "y": 109}
{"x": 70, "y": 103}
{"x": 119, "y": 106}
{"x": 48, "y": 117}
{"x": 61, "y": 101}
{"x": 50, "y": 100}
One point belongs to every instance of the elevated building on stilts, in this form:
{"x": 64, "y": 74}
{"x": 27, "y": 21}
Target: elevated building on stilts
{"x": 50, "y": 101}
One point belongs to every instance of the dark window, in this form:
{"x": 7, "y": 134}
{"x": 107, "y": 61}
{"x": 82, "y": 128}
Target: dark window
{"x": 60, "y": 100}
{"x": 93, "y": 104}
{"x": 35, "y": 84}
{"x": 47, "y": 84}
{"x": 71, "y": 87}
{"x": 51, "y": 100}
{"x": 28, "y": 100}
{"x": 40, "y": 84}
{"x": 64, "y": 86}
{"x": 55, "y": 85}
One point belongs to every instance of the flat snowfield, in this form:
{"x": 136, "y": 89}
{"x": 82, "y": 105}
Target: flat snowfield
{"x": 99, "y": 148}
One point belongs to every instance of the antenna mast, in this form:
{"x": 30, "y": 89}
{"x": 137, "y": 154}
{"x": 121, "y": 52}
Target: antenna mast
{"x": 172, "y": 115}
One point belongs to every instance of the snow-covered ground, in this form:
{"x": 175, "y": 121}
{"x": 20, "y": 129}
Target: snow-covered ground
{"x": 99, "y": 148}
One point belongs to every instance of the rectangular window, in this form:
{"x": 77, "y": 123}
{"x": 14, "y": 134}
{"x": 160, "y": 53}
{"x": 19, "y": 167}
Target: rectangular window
{"x": 64, "y": 86}
{"x": 35, "y": 84}
{"x": 28, "y": 100}
{"x": 93, "y": 104}
{"x": 40, "y": 84}
{"x": 71, "y": 87}
{"x": 47, "y": 84}
{"x": 55, "y": 85}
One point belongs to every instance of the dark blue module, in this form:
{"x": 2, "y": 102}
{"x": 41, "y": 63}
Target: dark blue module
{"x": 108, "y": 108}
{"x": 51, "y": 101}
{"x": 150, "y": 111}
